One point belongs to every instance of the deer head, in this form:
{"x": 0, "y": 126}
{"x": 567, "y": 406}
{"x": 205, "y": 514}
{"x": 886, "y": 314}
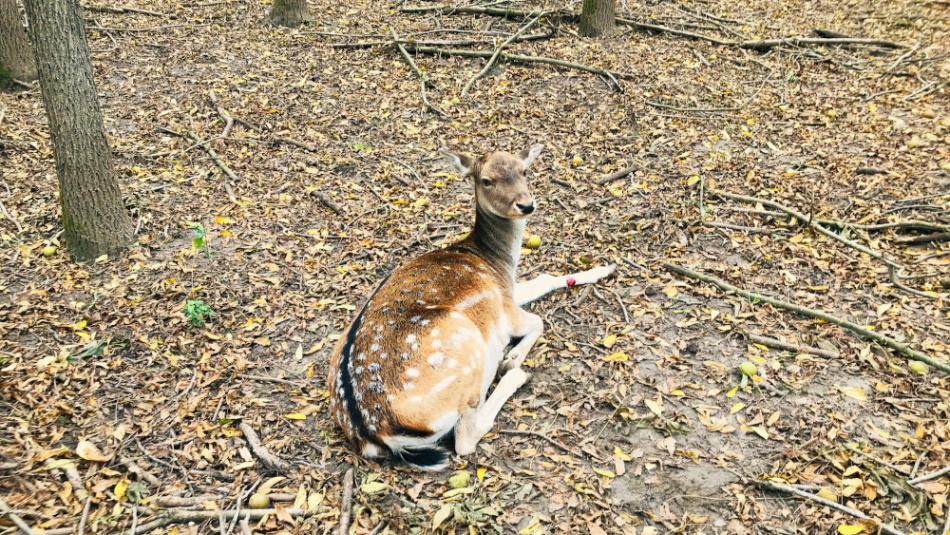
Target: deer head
{"x": 499, "y": 177}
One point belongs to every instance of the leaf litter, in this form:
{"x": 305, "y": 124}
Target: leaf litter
{"x": 126, "y": 381}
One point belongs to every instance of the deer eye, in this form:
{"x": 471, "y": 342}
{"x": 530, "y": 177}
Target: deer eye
{"x": 487, "y": 182}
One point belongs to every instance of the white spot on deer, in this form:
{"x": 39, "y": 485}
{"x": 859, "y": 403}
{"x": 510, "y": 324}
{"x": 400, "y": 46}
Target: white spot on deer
{"x": 456, "y": 316}
{"x": 408, "y": 386}
{"x": 474, "y": 299}
{"x": 436, "y": 344}
{"x": 412, "y": 373}
{"x": 442, "y": 385}
{"x": 451, "y": 363}
{"x": 374, "y": 348}
{"x": 435, "y": 332}
{"x": 435, "y": 359}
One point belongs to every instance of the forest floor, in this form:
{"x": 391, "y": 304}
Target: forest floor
{"x": 117, "y": 412}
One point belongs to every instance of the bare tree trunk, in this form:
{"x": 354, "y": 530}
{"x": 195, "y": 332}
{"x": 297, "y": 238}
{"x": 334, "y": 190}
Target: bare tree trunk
{"x": 95, "y": 221}
{"x": 289, "y": 12}
{"x": 16, "y": 58}
{"x": 597, "y": 18}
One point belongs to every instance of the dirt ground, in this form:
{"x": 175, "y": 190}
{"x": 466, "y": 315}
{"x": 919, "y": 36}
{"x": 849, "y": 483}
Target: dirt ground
{"x": 636, "y": 419}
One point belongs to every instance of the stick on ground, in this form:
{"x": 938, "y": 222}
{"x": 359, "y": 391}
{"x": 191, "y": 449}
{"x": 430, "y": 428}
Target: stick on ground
{"x": 179, "y": 516}
{"x": 827, "y": 503}
{"x": 6, "y": 510}
{"x": 931, "y": 475}
{"x": 778, "y": 344}
{"x": 491, "y": 61}
{"x": 267, "y": 458}
{"x": 756, "y": 297}
{"x": 346, "y": 503}
{"x": 617, "y": 175}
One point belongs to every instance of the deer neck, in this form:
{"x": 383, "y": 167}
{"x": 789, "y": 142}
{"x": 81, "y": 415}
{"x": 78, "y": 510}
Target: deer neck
{"x": 498, "y": 240}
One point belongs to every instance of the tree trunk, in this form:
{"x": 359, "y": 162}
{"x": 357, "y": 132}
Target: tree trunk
{"x": 289, "y": 13}
{"x": 597, "y": 18}
{"x": 95, "y": 221}
{"x": 16, "y": 58}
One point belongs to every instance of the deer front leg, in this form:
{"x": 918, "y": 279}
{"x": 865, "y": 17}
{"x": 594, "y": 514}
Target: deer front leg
{"x": 526, "y": 292}
{"x": 474, "y": 423}
{"x": 529, "y": 327}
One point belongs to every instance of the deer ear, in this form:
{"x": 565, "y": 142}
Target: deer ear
{"x": 462, "y": 163}
{"x": 528, "y": 155}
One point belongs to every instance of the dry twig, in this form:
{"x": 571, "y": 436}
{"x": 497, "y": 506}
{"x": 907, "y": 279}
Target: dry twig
{"x": 778, "y": 344}
{"x": 931, "y": 475}
{"x": 827, "y": 503}
{"x": 498, "y": 49}
{"x": 346, "y": 502}
{"x": 180, "y": 516}
{"x": 5, "y": 509}
{"x": 267, "y": 458}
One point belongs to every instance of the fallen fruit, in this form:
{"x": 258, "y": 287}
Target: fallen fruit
{"x": 459, "y": 480}
{"x": 49, "y": 251}
{"x": 918, "y": 367}
{"x": 748, "y": 369}
{"x": 259, "y": 501}
{"x": 533, "y": 242}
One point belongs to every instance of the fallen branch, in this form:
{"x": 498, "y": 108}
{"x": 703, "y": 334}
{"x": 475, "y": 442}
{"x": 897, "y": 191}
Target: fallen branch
{"x": 424, "y": 79}
{"x": 521, "y": 58}
{"x": 769, "y": 44}
{"x": 912, "y": 224}
{"x": 699, "y": 110}
{"x": 85, "y": 516}
{"x": 616, "y": 175}
{"x": 549, "y": 440}
{"x": 225, "y": 116}
{"x": 178, "y": 516}
{"x": 469, "y": 42}
{"x": 6, "y": 510}
{"x": 756, "y": 297}
{"x": 811, "y": 222}
{"x": 267, "y": 458}
{"x": 931, "y": 475}
{"x": 3, "y": 210}
{"x": 123, "y": 10}
{"x": 206, "y": 146}
{"x": 827, "y": 503}
{"x": 491, "y": 61}
{"x": 346, "y": 502}
{"x": 878, "y": 460}
{"x": 328, "y": 202}
{"x": 926, "y": 238}
{"x": 741, "y": 228}
{"x": 778, "y": 344}
{"x": 134, "y": 468}
{"x": 895, "y": 275}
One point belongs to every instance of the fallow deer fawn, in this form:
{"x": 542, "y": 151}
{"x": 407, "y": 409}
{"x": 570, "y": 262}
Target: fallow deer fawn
{"x": 417, "y": 361}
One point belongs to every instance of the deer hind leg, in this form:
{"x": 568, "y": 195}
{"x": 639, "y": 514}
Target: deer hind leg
{"x": 474, "y": 423}
{"x": 526, "y": 292}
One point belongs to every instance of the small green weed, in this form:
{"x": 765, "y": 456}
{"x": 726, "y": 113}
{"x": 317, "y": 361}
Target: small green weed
{"x": 198, "y": 313}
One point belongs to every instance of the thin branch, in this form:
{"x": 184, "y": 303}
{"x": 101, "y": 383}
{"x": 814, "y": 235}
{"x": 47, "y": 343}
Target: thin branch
{"x": 878, "y": 460}
{"x": 346, "y": 502}
{"x": 491, "y": 61}
{"x": 3, "y": 210}
{"x": 931, "y": 475}
{"x": 617, "y": 175}
{"x": 170, "y": 517}
{"x": 424, "y": 79}
{"x": 267, "y": 458}
{"x": 778, "y": 344}
{"x": 813, "y": 223}
{"x": 827, "y": 503}
{"x": 5, "y": 509}
{"x": 546, "y": 438}
{"x": 225, "y": 116}
{"x": 756, "y": 297}
{"x": 768, "y": 44}
{"x": 123, "y": 10}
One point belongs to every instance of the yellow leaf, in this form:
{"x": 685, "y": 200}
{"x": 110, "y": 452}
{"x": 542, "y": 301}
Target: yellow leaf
{"x": 372, "y": 487}
{"x": 670, "y": 291}
{"x": 621, "y": 455}
{"x": 881, "y": 309}
{"x": 654, "y": 406}
{"x": 314, "y": 501}
{"x": 605, "y": 473}
{"x": 828, "y": 495}
{"x": 616, "y": 357}
{"x": 120, "y": 489}
{"x": 79, "y": 325}
{"x": 609, "y": 341}
{"x": 855, "y": 392}
{"x": 222, "y": 220}
{"x": 295, "y": 416}
{"x": 266, "y": 487}
{"x": 760, "y": 346}
{"x": 850, "y": 529}
{"x": 732, "y": 391}
{"x": 692, "y": 180}
{"x": 88, "y": 451}
{"x": 480, "y": 473}
{"x": 736, "y": 407}
{"x": 759, "y": 430}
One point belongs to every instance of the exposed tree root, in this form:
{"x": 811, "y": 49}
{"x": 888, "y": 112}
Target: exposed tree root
{"x": 267, "y": 458}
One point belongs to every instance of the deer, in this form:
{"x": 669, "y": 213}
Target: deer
{"x": 416, "y": 363}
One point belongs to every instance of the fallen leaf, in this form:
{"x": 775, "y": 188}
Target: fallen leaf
{"x": 88, "y": 451}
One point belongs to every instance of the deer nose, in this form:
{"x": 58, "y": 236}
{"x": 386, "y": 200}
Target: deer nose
{"x": 525, "y": 209}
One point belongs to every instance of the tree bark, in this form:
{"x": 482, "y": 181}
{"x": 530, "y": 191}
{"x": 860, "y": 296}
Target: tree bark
{"x": 95, "y": 221}
{"x": 597, "y": 18}
{"x": 16, "y": 58}
{"x": 289, "y": 13}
